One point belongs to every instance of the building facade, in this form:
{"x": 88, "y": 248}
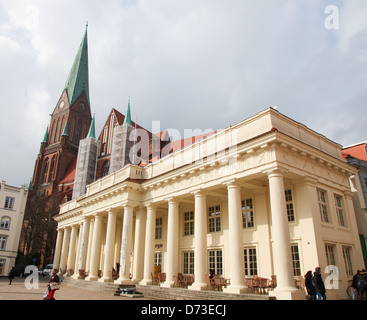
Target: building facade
{"x": 12, "y": 206}
{"x": 266, "y": 196}
{"x": 356, "y": 155}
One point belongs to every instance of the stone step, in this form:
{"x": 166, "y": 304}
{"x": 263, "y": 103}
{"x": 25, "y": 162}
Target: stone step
{"x": 159, "y": 293}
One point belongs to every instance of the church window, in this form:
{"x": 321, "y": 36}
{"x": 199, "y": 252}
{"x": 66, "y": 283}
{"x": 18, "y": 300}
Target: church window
{"x": 106, "y": 168}
{"x": 61, "y": 128}
{"x": 78, "y": 131}
{"x": 72, "y": 128}
{"x": 84, "y": 131}
{"x": 53, "y": 127}
{"x": 45, "y": 170}
{"x": 57, "y": 130}
{"x": 52, "y": 168}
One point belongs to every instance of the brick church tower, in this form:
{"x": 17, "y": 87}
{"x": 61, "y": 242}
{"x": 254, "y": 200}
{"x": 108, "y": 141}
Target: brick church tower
{"x": 54, "y": 171}
{"x": 70, "y": 122}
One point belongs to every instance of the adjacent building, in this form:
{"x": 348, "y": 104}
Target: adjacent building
{"x": 356, "y": 155}
{"x": 12, "y": 205}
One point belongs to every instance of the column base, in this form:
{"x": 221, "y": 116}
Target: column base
{"x": 123, "y": 281}
{"x": 198, "y": 286}
{"x": 167, "y": 285}
{"x": 235, "y": 289}
{"x": 292, "y": 294}
{"x": 146, "y": 282}
{"x": 105, "y": 279}
{"x": 91, "y": 278}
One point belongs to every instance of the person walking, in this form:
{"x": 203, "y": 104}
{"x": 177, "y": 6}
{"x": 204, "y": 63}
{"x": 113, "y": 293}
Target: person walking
{"x": 319, "y": 284}
{"x": 309, "y": 285}
{"x": 11, "y": 275}
{"x": 54, "y": 278}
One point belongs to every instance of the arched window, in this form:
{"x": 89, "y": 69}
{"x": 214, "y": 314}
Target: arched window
{"x": 57, "y": 130}
{"x": 52, "y": 168}
{"x": 105, "y": 168}
{"x": 45, "y": 170}
{"x": 72, "y": 128}
{"x": 78, "y": 131}
{"x": 5, "y": 223}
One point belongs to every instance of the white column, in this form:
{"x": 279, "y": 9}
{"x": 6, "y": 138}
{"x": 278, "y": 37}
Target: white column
{"x": 96, "y": 248}
{"x": 71, "y": 258}
{"x": 200, "y": 242}
{"x": 172, "y": 243}
{"x": 60, "y": 235}
{"x": 109, "y": 248}
{"x": 139, "y": 244}
{"x": 124, "y": 275}
{"x": 78, "y": 241}
{"x": 236, "y": 254}
{"x": 282, "y": 256}
{"x": 149, "y": 246}
{"x": 64, "y": 250}
{"x": 83, "y": 246}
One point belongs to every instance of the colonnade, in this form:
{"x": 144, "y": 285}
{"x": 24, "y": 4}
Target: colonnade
{"x": 87, "y": 249}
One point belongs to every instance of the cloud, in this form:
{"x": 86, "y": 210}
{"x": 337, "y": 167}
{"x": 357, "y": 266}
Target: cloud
{"x": 188, "y": 63}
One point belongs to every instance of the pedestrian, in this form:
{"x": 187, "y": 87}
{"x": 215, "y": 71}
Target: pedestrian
{"x": 355, "y": 286}
{"x": 309, "y": 285}
{"x": 11, "y": 275}
{"x": 54, "y": 284}
{"x": 319, "y": 284}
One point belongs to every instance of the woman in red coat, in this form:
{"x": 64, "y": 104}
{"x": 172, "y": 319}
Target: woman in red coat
{"x": 53, "y": 278}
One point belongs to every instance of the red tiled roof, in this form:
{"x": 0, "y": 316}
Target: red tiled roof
{"x": 70, "y": 173}
{"x": 357, "y": 151}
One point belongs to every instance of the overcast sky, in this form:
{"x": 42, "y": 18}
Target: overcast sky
{"x": 188, "y": 63}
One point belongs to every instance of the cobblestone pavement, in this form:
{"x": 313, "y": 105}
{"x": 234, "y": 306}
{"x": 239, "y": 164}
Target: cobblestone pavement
{"x": 18, "y": 291}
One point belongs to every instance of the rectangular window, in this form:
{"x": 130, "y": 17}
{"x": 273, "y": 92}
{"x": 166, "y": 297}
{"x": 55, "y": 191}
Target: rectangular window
{"x": 9, "y": 203}
{"x": 339, "y": 210}
{"x": 247, "y": 213}
{"x": 323, "y": 205}
{"x": 158, "y": 258}
{"x": 295, "y": 260}
{"x": 348, "y": 260}
{"x": 330, "y": 256}
{"x": 214, "y": 219}
{"x": 188, "y": 262}
{"x": 3, "y": 242}
{"x": 289, "y": 203}
{"x": 250, "y": 261}
{"x": 215, "y": 261}
{"x": 158, "y": 228}
{"x": 5, "y": 223}
{"x": 189, "y": 223}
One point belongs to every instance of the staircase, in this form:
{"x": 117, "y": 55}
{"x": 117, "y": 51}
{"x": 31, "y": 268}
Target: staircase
{"x": 159, "y": 293}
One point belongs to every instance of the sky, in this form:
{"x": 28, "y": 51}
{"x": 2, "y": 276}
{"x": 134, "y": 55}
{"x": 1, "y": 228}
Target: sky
{"x": 186, "y": 63}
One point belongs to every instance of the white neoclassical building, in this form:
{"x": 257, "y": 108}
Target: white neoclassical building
{"x": 266, "y": 196}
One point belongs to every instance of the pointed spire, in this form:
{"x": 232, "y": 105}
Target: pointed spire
{"x": 30, "y": 184}
{"x": 92, "y": 129}
{"x": 127, "y": 120}
{"x": 78, "y": 79}
{"x": 45, "y": 138}
{"x": 65, "y": 133}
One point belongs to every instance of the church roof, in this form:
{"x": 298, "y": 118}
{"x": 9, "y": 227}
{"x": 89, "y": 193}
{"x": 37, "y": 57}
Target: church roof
{"x": 78, "y": 79}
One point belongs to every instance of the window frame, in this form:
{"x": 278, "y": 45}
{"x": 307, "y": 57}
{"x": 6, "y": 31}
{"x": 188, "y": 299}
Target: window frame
{"x": 215, "y": 219}
{"x": 248, "y": 213}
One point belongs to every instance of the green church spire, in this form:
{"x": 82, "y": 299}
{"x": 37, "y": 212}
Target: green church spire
{"x": 45, "y": 138}
{"x": 127, "y": 120}
{"x": 92, "y": 129}
{"x": 78, "y": 79}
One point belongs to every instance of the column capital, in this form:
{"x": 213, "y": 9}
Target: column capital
{"x": 231, "y": 183}
{"x": 275, "y": 171}
{"x": 198, "y": 192}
